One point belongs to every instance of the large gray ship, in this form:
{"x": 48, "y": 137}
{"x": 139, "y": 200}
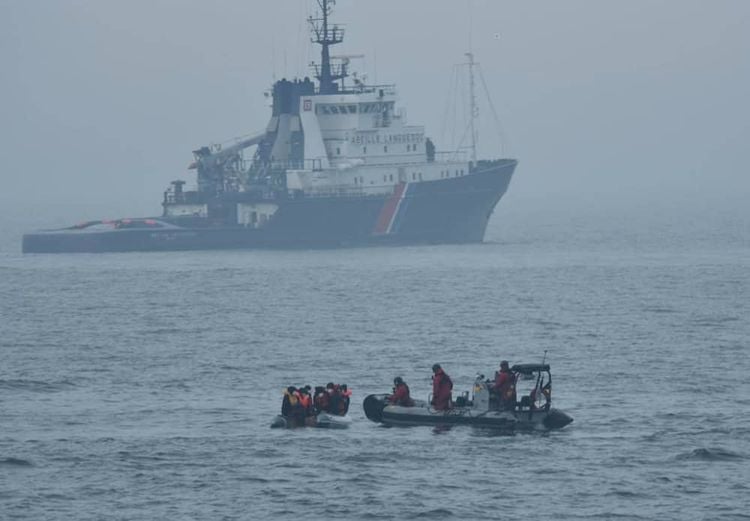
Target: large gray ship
{"x": 337, "y": 165}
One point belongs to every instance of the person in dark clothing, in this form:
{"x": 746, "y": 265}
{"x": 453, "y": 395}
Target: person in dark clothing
{"x": 505, "y": 387}
{"x": 430, "y": 149}
{"x": 441, "y": 389}
{"x": 401, "y": 395}
{"x": 289, "y": 401}
{"x": 334, "y": 397}
{"x": 321, "y": 399}
{"x": 345, "y": 397}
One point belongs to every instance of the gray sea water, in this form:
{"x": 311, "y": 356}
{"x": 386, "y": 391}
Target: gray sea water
{"x": 142, "y": 386}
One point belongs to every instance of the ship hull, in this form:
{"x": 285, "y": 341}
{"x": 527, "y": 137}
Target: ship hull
{"x": 454, "y": 210}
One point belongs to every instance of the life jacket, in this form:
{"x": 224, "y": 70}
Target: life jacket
{"x": 305, "y": 401}
{"x": 441, "y": 384}
{"x": 441, "y": 390}
{"x": 505, "y": 385}
{"x": 401, "y": 396}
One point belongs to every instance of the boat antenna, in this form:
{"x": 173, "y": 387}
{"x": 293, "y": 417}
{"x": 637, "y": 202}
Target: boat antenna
{"x": 544, "y": 358}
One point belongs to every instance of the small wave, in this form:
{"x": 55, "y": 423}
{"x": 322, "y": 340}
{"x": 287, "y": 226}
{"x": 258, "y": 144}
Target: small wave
{"x": 37, "y": 386}
{"x": 164, "y": 331}
{"x": 625, "y": 493}
{"x": 253, "y": 479}
{"x": 435, "y": 514}
{"x": 659, "y": 309}
{"x": 714, "y": 321}
{"x": 16, "y": 462}
{"x": 712, "y": 454}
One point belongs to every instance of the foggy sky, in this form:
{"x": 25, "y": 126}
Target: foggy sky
{"x": 102, "y": 101}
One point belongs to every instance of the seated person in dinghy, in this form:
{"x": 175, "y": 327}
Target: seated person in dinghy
{"x": 400, "y": 394}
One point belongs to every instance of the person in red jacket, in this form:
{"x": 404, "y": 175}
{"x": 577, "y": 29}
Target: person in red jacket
{"x": 441, "y": 389}
{"x": 400, "y": 394}
{"x": 505, "y": 386}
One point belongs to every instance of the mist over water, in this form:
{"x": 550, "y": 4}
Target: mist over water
{"x": 143, "y": 385}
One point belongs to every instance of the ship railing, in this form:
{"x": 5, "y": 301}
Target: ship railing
{"x": 397, "y": 159}
{"x": 315, "y": 165}
{"x": 384, "y": 89}
{"x": 348, "y": 191}
{"x": 454, "y": 156}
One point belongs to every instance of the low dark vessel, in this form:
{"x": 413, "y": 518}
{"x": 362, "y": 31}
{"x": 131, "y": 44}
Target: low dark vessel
{"x": 533, "y": 412}
{"x": 337, "y": 165}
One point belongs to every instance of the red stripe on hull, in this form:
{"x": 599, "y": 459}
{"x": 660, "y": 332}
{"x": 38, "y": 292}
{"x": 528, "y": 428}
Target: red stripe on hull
{"x": 388, "y": 211}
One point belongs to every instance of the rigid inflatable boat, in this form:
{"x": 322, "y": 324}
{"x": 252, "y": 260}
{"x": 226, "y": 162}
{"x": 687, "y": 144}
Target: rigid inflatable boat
{"x": 533, "y": 412}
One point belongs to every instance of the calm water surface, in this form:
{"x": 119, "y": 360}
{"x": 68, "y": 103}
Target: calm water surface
{"x": 142, "y": 386}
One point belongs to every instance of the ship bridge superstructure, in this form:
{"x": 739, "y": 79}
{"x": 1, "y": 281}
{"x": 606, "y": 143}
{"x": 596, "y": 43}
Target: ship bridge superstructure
{"x": 335, "y": 136}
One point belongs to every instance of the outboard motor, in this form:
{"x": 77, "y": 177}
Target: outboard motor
{"x": 374, "y": 405}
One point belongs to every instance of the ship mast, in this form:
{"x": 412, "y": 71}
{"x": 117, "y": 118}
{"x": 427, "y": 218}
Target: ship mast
{"x": 326, "y": 36}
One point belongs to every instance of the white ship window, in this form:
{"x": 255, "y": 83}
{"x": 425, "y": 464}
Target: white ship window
{"x": 334, "y": 109}
{"x": 385, "y": 148}
{"x": 413, "y": 176}
{"x": 338, "y": 151}
{"x": 352, "y": 109}
{"x": 385, "y": 178}
{"x": 361, "y": 180}
{"x": 364, "y": 150}
{"x": 391, "y": 177}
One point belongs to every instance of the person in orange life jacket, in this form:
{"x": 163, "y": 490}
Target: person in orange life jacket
{"x": 400, "y": 394}
{"x": 505, "y": 386}
{"x": 306, "y": 400}
{"x": 321, "y": 399}
{"x": 441, "y": 389}
{"x": 344, "y": 399}
{"x": 289, "y": 401}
